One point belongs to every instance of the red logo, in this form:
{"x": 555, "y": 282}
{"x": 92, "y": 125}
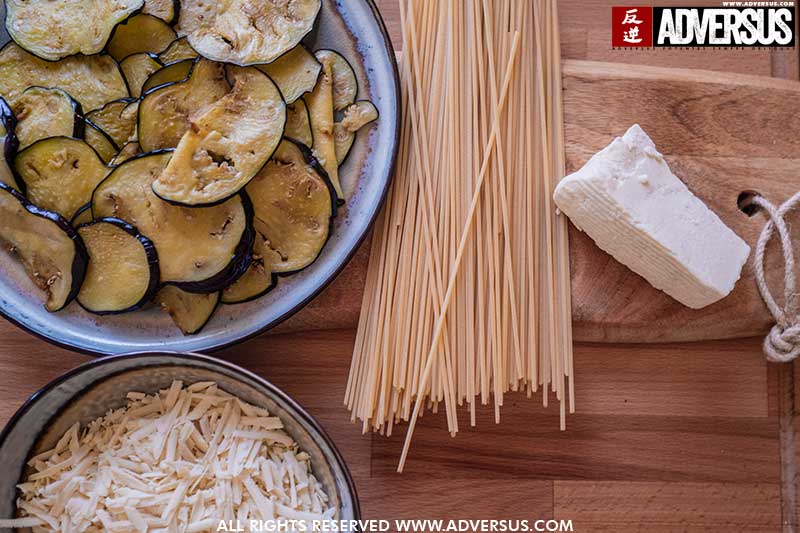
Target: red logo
{"x": 631, "y": 27}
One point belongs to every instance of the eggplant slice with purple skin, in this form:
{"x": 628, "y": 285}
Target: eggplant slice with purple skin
{"x": 190, "y": 312}
{"x": 345, "y": 84}
{"x": 83, "y": 216}
{"x": 43, "y": 112}
{"x": 123, "y": 268}
{"x": 179, "y": 50}
{"x": 51, "y": 251}
{"x": 141, "y": 33}
{"x": 294, "y": 205}
{"x": 355, "y": 117}
{"x": 8, "y": 137}
{"x": 227, "y": 144}
{"x": 165, "y": 111}
{"x": 176, "y": 72}
{"x": 257, "y": 281}
{"x": 201, "y": 250}
{"x": 137, "y": 68}
{"x": 247, "y": 32}
{"x": 60, "y": 174}
{"x": 118, "y": 120}
{"x": 91, "y": 80}
{"x": 101, "y": 141}
{"x": 295, "y": 73}
{"x": 55, "y": 30}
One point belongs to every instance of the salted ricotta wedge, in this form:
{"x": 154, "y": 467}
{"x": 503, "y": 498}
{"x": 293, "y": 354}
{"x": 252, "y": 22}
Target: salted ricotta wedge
{"x": 630, "y": 203}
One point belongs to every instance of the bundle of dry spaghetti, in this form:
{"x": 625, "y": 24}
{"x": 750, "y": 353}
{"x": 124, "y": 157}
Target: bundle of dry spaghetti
{"x": 468, "y": 294}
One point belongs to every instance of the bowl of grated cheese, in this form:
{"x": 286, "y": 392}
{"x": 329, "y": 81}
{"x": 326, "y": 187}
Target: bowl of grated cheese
{"x": 165, "y": 442}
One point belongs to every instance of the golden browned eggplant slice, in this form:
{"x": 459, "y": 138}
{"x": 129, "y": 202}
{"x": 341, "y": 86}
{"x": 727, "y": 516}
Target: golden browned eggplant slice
{"x": 166, "y": 113}
{"x": 49, "y": 248}
{"x": 228, "y": 144}
{"x": 117, "y": 119}
{"x": 60, "y": 174}
{"x": 101, "y": 141}
{"x": 179, "y": 50}
{"x": 320, "y": 112}
{"x": 298, "y": 126}
{"x": 43, "y": 113}
{"x": 142, "y": 33}
{"x": 137, "y": 68}
{"x": 356, "y": 117}
{"x": 247, "y": 32}
{"x": 91, "y": 80}
{"x": 173, "y": 73}
{"x": 201, "y": 250}
{"x": 166, "y": 10}
{"x": 190, "y": 312}
{"x": 257, "y": 281}
{"x": 54, "y": 30}
{"x": 345, "y": 85}
{"x": 295, "y": 72}
{"x": 293, "y": 204}
{"x": 129, "y": 151}
{"x": 123, "y": 268}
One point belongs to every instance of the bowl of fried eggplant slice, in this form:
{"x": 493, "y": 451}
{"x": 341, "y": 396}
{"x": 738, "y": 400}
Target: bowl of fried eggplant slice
{"x": 186, "y": 174}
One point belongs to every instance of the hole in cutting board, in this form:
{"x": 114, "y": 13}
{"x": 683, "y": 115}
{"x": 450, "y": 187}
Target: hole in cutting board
{"x": 745, "y": 202}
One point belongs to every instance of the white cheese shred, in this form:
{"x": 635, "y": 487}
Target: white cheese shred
{"x": 180, "y": 460}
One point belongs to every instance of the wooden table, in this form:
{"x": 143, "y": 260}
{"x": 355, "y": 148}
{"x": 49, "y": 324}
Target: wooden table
{"x": 666, "y": 437}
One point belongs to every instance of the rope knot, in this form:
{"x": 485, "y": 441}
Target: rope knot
{"x": 782, "y": 345}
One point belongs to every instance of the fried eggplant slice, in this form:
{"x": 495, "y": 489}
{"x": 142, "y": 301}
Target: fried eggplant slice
{"x": 228, "y": 144}
{"x": 166, "y": 113}
{"x": 117, "y": 119}
{"x": 298, "y": 126}
{"x": 247, "y": 32}
{"x": 257, "y": 281}
{"x": 137, "y": 68}
{"x": 91, "y": 80}
{"x": 345, "y": 84}
{"x": 101, "y": 141}
{"x": 201, "y": 250}
{"x": 10, "y": 146}
{"x": 179, "y": 50}
{"x": 60, "y": 174}
{"x": 166, "y": 10}
{"x": 295, "y": 72}
{"x": 42, "y": 112}
{"x": 320, "y": 113}
{"x": 54, "y": 30}
{"x": 294, "y": 205}
{"x": 123, "y": 268}
{"x": 49, "y": 248}
{"x": 129, "y": 151}
{"x": 356, "y": 117}
{"x": 173, "y": 73}
{"x": 190, "y": 312}
{"x": 142, "y": 33}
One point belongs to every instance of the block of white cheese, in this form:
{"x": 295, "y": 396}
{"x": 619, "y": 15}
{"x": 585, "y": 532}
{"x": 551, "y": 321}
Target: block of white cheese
{"x": 630, "y": 203}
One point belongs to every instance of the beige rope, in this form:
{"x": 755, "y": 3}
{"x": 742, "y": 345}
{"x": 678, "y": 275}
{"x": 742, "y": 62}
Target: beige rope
{"x": 782, "y": 345}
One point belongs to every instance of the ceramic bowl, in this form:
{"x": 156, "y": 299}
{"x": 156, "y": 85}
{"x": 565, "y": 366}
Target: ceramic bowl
{"x": 354, "y": 28}
{"x": 89, "y": 391}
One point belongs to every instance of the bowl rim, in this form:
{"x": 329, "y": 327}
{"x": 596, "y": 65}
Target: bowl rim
{"x": 304, "y": 415}
{"x": 325, "y": 282}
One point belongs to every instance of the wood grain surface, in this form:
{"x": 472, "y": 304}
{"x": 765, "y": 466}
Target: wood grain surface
{"x": 723, "y": 134}
{"x": 667, "y": 437}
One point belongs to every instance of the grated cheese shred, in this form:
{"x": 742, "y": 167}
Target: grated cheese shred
{"x": 184, "y": 459}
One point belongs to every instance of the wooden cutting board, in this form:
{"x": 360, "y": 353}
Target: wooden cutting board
{"x": 723, "y": 134}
